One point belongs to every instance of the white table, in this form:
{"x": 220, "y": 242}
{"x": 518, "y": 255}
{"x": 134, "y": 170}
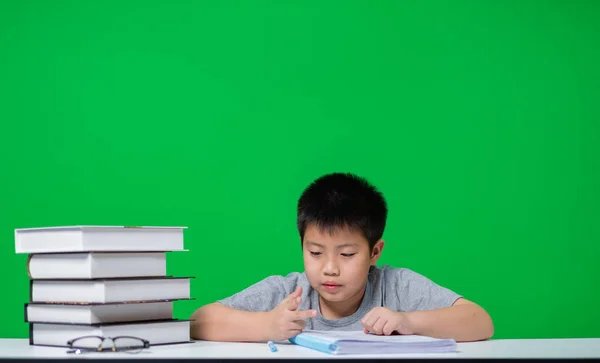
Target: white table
{"x": 510, "y": 348}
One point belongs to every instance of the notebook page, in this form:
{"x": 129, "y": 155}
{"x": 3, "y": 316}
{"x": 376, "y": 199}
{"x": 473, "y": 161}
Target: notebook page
{"x": 357, "y": 342}
{"x": 336, "y": 336}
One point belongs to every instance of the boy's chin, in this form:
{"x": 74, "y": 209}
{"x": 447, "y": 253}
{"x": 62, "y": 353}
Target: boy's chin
{"x": 337, "y": 296}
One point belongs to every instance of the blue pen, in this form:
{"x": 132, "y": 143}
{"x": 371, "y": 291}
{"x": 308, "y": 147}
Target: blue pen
{"x": 272, "y": 346}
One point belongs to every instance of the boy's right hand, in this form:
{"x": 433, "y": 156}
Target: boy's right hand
{"x": 285, "y": 321}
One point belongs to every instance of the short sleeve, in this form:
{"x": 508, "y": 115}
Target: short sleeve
{"x": 417, "y": 292}
{"x": 263, "y": 295}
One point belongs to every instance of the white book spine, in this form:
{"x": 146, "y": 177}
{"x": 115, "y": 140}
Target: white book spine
{"x": 110, "y": 291}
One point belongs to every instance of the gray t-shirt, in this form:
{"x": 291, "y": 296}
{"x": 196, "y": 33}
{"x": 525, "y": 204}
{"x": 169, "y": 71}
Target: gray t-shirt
{"x": 398, "y": 289}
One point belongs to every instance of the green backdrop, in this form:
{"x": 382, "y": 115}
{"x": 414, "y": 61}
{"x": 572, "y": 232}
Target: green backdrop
{"x": 479, "y": 120}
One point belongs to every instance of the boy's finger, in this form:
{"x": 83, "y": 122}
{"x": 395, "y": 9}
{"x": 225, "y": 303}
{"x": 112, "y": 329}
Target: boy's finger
{"x": 368, "y": 323}
{"x": 378, "y": 326}
{"x": 292, "y": 297}
{"x": 297, "y": 325}
{"x": 305, "y": 314}
{"x": 294, "y": 303}
{"x": 365, "y": 318}
{"x": 388, "y": 328}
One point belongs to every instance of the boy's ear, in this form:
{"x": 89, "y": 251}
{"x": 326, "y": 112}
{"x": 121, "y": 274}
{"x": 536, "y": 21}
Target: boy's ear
{"x": 376, "y": 251}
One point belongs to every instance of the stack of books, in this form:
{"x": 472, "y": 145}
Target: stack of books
{"x": 102, "y": 280}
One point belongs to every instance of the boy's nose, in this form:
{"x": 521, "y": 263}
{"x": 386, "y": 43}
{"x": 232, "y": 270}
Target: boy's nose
{"x": 331, "y": 268}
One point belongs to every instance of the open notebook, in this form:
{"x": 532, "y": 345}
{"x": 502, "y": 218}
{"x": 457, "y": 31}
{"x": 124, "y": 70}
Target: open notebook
{"x": 357, "y": 342}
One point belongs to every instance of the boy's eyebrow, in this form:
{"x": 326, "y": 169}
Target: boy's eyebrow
{"x": 314, "y": 244}
{"x": 338, "y": 246}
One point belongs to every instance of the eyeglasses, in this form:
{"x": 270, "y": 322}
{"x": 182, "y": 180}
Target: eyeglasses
{"x": 95, "y": 343}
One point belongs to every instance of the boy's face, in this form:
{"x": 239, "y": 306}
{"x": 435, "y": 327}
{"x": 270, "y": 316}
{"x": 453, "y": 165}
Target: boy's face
{"x": 337, "y": 265}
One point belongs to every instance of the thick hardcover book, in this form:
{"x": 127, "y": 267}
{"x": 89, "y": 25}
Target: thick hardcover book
{"x": 98, "y": 238}
{"x": 169, "y": 331}
{"x": 110, "y": 290}
{"x": 98, "y": 313}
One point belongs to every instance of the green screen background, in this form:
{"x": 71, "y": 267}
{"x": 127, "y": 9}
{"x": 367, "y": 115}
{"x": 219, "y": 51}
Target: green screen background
{"x": 478, "y": 120}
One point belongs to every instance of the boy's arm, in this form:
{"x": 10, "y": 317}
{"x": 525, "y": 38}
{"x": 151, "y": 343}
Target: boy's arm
{"x": 420, "y": 306}
{"x": 219, "y": 322}
{"x": 463, "y": 321}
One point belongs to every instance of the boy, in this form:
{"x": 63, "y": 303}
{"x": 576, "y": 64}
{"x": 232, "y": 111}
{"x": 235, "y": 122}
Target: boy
{"x": 341, "y": 219}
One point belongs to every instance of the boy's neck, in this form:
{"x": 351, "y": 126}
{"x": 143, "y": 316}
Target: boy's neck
{"x": 337, "y": 310}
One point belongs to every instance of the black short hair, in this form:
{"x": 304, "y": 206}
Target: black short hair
{"x": 339, "y": 200}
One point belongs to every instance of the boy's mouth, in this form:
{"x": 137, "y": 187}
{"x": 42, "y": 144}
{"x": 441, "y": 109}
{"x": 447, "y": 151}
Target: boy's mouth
{"x": 331, "y": 285}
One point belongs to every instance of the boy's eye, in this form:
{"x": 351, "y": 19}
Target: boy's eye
{"x": 348, "y": 254}
{"x": 315, "y": 253}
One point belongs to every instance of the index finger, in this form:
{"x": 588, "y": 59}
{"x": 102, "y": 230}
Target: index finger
{"x": 304, "y": 314}
{"x": 366, "y": 316}
{"x": 294, "y": 295}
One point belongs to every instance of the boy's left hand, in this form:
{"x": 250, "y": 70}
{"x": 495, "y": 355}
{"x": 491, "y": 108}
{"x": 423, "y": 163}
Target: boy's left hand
{"x": 383, "y": 321}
